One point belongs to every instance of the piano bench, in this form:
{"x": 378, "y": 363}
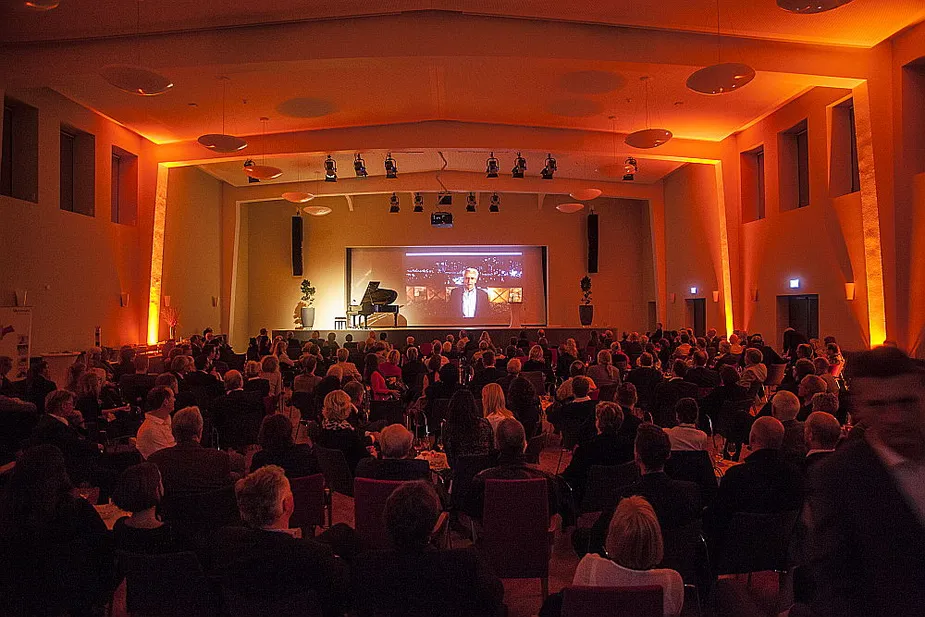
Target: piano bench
{"x": 340, "y": 323}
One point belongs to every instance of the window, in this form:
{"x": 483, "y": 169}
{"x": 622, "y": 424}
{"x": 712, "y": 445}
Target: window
{"x": 66, "y": 185}
{"x": 77, "y": 171}
{"x": 124, "y": 187}
{"x": 19, "y": 157}
{"x": 114, "y": 187}
{"x": 802, "y": 167}
{"x": 752, "y": 165}
{"x": 793, "y": 167}
{"x": 843, "y": 164}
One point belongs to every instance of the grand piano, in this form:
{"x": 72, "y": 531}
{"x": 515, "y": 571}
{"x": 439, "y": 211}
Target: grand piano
{"x": 375, "y": 300}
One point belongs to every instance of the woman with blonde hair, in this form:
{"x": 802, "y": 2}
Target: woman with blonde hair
{"x": 337, "y": 433}
{"x": 269, "y": 370}
{"x": 280, "y": 351}
{"x": 633, "y": 548}
{"x": 494, "y": 407}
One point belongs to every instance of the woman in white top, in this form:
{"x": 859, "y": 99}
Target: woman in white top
{"x": 634, "y": 547}
{"x": 493, "y": 405}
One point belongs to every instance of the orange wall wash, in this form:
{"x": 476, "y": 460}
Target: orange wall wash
{"x": 157, "y": 254}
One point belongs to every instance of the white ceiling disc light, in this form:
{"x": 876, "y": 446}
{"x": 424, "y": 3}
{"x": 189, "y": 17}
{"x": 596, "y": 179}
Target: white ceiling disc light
{"x": 584, "y": 195}
{"x": 648, "y": 138}
{"x": 219, "y": 142}
{"x": 297, "y": 197}
{"x": 42, "y": 5}
{"x": 809, "y": 7}
{"x": 570, "y": 208}
{"x": 263, "y": 172}
{"x": 317, "y": 210}
{"x": 721, "y": 78}
{"x": 136, "y": 79}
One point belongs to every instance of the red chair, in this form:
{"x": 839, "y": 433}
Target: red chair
{"x": 580, "y": 601}
{"x": 310, "y": 503}
{"x": 369, "y": 497}
{"x": 516, "y": 538}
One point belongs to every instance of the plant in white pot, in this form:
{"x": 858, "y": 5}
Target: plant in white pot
{"x": 586, "y": 309}
{"x": 306, "y": 310}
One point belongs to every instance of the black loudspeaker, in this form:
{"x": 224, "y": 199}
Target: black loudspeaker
{"x": 592, "y": 243}
{"x": 297, "y": 246}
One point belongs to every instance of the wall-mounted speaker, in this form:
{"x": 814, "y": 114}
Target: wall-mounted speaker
{"x": 297, "y": 246}
{"x": 592, "y": 243}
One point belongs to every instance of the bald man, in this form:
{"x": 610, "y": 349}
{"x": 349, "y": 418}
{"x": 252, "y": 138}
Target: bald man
{"x": 396, "y": 458}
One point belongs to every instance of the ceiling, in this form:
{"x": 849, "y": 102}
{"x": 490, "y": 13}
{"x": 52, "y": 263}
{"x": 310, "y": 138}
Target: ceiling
{"x": 575, "y": 166}
{"x": 862, "y": 23}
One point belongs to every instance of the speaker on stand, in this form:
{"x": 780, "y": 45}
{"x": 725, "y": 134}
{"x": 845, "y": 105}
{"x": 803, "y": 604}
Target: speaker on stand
{"x": 592, "y": 242}
{"x": 297, "y": 245}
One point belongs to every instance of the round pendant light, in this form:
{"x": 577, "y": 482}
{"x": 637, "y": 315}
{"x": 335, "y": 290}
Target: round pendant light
{"x": 297, "y": 197}
{"x": 721, "y": 78}
{"x": 136, "y": 79}
{"x": 263, "y": 172}
{"x": 647, "y": 138}
{"x": 585, "y": 195}
{"x": 317, "y": 210}
{"x": 42, "y": 5}
{"x": 219, "y": 142}
{"x": 809, "y": 7}
{"x": 570, "y": 208}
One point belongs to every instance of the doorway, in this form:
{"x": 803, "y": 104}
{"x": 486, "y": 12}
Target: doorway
{"x": 697, "y": 315}
{"x": 800, "y": 313}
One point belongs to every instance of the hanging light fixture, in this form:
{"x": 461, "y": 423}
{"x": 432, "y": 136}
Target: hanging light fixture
{"x": 810, "y": 7}
{"x": 495, "y": 203}
{"x": 570, "y": 208}
{"x": 330, "y": 169}
{"x": 470, "y": 202}
{"x": 263, "y": 171}
{"x": 550, "y": 168}
{"x": 359, "y": 167}
{"x": 418, "y": 203}
{"x": 394, "y": 204}
{"x": 317, "y": 210}
{"x": 722, "y": 77}
{"x": 42, "y": 5}
{"x": 585, "y": 194}
{"x": 630, "y": 169}
{"x": 222, "y": 142}
{"x": 520, "y": 166}
{"x": 131, "y": 78}
{"x": 648, "y": 137}
{"x": 492, "y": 167}
{"x": 391, "y": 168}
{"x": 297, "y": 197}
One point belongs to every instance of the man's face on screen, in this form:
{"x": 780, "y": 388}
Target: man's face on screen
{"x": 469, "y": 279}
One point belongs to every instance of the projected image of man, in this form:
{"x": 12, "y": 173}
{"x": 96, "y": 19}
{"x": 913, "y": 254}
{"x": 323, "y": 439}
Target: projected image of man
{"x": 468, "y": 301}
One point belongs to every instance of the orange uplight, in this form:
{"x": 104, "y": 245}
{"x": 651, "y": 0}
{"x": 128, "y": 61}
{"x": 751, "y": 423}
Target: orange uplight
{"x": 157, "y": 254}
{"x": 724, "y": 247}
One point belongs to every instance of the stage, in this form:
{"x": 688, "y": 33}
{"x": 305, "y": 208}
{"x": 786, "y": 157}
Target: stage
{"x": 499, "y": 335}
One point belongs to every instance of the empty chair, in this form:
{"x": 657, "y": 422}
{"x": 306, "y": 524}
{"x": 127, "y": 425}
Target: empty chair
{"x": 309, "y": 501}
{"x": 369, "y": 497}
{"x": 686, "y": 553}
{"x": 604, "y": 485}
{"x": 336, "y": 472}
{"x": 165, "y": 585}
{"x": 581, "y": 601}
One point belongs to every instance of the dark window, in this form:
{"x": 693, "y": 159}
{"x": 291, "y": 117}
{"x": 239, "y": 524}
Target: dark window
{"x": 6, "y": 157}
{"x": 802, "y": 143}
{"x": 759, "y": 160}
{"x": 752, "y": 175}
{"x": 855, "y": 171}
{"x": 67, "y": 170}
{"x": 114, "y": 186}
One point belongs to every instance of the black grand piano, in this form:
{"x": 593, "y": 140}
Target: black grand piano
{"x": 375, "y": 300}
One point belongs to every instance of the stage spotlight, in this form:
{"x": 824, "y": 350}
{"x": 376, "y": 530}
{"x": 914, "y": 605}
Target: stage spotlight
{"x": 330, "y": 170}
{"x": 630, "y": 169}
{"x": 394, "y": 204}
{"x": 550, "y": 168}
{"x": 250, "y": 163}
{"x": 492, "y": 167}
{"x": 418, "y": 202}
{"x": 359, "y": 167}
{"x": 470, "y": 202}
{"x": 391, "y": 168}
{"x": 495, "y": 204}
{"x": 520, "y": 166}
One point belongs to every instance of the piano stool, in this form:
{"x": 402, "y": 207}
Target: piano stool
{"x": 340, "y": 323}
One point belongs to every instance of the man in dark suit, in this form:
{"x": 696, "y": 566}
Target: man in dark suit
{"x": 576, "y": 419}
{"x": 608, "y": 447}
{"x": 188, "y": 467}
{"x": 785, "y": 406}
{"x": 56, "y": 427}
{"x": 468, "y": 301}
{"x": 668, "y": 393}
{"x": 136, "y": 385}
{"x": 867, "y": 533}
{"x": 206, "y": 385}
{"x": 627, "y": 399}
{"x": 821, "y": 432}
{"x": 237, "y": 414}
{"x": 489, "y": 374}
{"x": 396, "y": 458}
{"x": 262, "y": 562}
{"x": 699, "y": 374}
{"x": 646, "y": 378}
{"x": 413, "y": 579}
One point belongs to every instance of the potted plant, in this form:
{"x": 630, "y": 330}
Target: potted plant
{"x": 586, "y": 309}
{"x": 306, "y": 304}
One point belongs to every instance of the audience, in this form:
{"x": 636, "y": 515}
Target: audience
{"x": 524, "y": 403}
{"x": 785, "y": 407}
{"x": 685, "y": 435}
{"x": 336, "y": 431}
{"x": 575, "y": 419}
{"x": 700, "y": 375}
{"x": 255, "y": 382}
{"x": 396, "y": 458}
{"x": 156, "y": 432}
{"x": 139, "y": 491}
{"x": 188, "y": 467}
{"x": 277, "y": 448}
{"x": 821, "y": 434}
{"x": 61, "y": 426}
{"x": 493, "y": 405}
{"x": 604, "y": 373}
{"x": 810, "y": 386}
{"x": 668, "y": 393}
{"x": 237, "y": 415}
{"x": 608, "y": 447}
{"x": 467, "y": 432}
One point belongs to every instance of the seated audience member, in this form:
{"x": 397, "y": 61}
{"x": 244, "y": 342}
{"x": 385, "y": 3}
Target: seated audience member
{"x": 373, "y": 378}
{"x": 810, "y": 386}
{"x": 155, "y": 432}
{"x": 604, "y": 373}
{"x": 564, "y": 393}
{"x": 306, "y": 380}
{"x": 633, "y": 550}
{"x": 725, "y": 356}
{"x": 261, "y": 561}
{"x": 254, "y": 381}
{"x": 55, "y": 552}
{"x": 785, "y": 407}
{"x": 277, "y": 448}
{"x": 336, "y": 431}
{"x": 348, "y": 368}
{"x": 627, "y": 398}
{"x": 685, "y": 435}
{"x": 667, "y": 394}
{"x": 136, "y": 385}
{"x": 412, "y": 579}
{"x": 536, "y": 362}
{"x": 390, "y": 369}
{"x": 188, "y": 467}
{"x": 823, "y": 370}
{"x": 608, "y": 447}
{"x": 576, "y": 419}
{"x": 821, "y": 433}
{"x": 699, "y": 374}
{"x": 493, "y": 405}
{"x": 866, "y": 500}
{"x": 729, "y": 391}
{"x": 511, "y": 443}
{"x": 828, "y": 402}
{"x": 466, "y": 432}
{"x": 139, "y": 491}
{"x": 60, "y": 427}
{"x": 489, "y": 374}
{"x": 36, "y": 386}
{"x": 801, "y": 368}
{"x": 524, "y": 404}
{"x": 413, "y": 371}
{"x": 205, "y": 378}
{"x": 755, "y": 372}
{"x": 765, "y": 483}
{"x": 6, "y": 386}
{"x": 237, "y": 415}
{"x": 269, "y": 370}
{"x": 512, "y": 371}
{"x": 396, "y": 458}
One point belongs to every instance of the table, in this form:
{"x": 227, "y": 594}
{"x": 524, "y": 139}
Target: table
{"x": 436, "y": 460}
{"x": 110, "y": 513}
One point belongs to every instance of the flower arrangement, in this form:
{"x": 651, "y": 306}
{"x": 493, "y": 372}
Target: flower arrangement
{"x": 171, "y": 317}
{"x": 586, "y": 290}
{"x": 308, "y": 292}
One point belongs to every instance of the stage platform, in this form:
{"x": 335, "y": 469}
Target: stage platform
{"x": 499, "y": 335}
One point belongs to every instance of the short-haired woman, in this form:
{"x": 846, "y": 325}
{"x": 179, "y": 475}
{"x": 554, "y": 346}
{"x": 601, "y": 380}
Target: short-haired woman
{"x": 254, "y": 381}
{"x": 139, "y": 490}
{"x": 337, "y": 433}
{"x": 278, "y": 448}
{"x": 269, "y": 370}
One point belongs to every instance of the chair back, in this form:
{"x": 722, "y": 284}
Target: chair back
{"x": 686, "y": 553}
{"x": 308, "y": 498}
{"x": 537, "y": 379}
{"x": 206, "y": 511}
{"x": 465, "y": 469}
{"x": 535, "y": 446}
{"x": 756, "y": 543}
{"x": 333, "y": 465}
{"x": 734, "y": 421}
{"x": 305, "y": 403}
{"x": 644, "y": 601}
{"x": 604, "y": 484}
{"x": 515, "y": 519}
{"x": 242, "y": 605}
{"x": 369, "y": 497}
{"x": 171, "y": 584}
{"x": 438, "y": 411}
{"x": 694, "y": 466}
{"x": 392, "y": 412}
{"x": 776, "y": 373}
{"x": 608, "y": 392}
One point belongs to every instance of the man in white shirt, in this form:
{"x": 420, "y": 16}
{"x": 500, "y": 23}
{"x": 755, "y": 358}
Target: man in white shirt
{"x": 686, "y": 436}
{"x": 155, "y": 432}
{"x": 468, "y": 301}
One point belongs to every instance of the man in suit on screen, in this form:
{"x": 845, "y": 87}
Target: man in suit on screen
{"x": 468, "y": 301}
